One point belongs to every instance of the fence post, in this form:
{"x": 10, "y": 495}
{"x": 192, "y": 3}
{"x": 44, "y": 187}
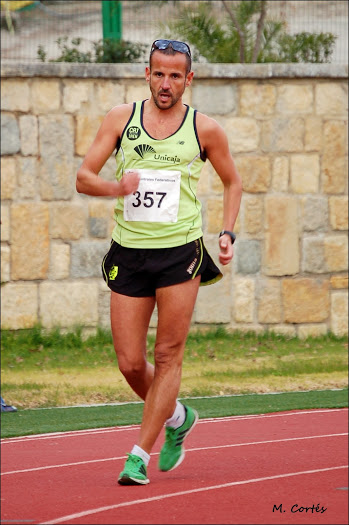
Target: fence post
{"x": 112, "y": 20}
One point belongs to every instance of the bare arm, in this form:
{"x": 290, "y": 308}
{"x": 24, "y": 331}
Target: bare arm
{"x": 215, "y": 143}
{"x": 87, "y": 180}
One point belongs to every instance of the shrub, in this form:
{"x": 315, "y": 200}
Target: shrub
{"x": 104, "y": 51}
{"x": 246, "y": 35}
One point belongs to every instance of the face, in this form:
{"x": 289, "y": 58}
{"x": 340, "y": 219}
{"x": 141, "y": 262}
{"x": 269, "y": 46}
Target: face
{"x": 167, "y": 78}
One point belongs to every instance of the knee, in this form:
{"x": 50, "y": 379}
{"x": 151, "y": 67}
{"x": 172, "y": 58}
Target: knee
{"x": 168, "y": 356}
{"x": 131, "y": 369}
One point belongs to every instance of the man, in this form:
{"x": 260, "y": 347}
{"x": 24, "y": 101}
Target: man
{"x": 157, "y": 256}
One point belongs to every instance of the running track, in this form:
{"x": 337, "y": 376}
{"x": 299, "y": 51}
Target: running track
{"x": 236, "y": 469}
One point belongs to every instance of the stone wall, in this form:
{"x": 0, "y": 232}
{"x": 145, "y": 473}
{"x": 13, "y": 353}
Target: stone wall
{"x": 287, "y": 129}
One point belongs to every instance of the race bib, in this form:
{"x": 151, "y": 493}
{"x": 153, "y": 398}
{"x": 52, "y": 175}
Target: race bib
{"x": 156, "y": 199}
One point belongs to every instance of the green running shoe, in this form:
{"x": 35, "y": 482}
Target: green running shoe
{"x": 135, "y": 472}
{"x": 172, "y": 452}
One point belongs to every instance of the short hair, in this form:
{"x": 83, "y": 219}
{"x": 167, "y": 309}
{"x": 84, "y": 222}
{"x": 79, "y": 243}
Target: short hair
{"x": 170, "y": 51}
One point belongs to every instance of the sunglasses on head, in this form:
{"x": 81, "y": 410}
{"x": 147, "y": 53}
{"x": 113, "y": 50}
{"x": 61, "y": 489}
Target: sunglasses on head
{"x": 181, "y": 47}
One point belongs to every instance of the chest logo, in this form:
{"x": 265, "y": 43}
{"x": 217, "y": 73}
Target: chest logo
{"x": 142, "y": 149}
{"x": 133, "y": 132}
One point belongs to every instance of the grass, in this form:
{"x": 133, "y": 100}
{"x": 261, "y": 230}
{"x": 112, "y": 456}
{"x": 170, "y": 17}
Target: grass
{"x": 40, "y": 421}
{"x": 42, "y": 368}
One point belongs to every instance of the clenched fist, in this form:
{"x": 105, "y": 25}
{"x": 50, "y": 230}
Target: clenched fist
{"x": 129, "y": 182}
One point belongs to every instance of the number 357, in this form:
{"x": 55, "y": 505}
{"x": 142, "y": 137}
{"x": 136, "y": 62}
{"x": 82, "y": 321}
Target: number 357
{"x": 149, "y": 199}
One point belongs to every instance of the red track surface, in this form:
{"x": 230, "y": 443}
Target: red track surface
{"x": 235, "y": 470}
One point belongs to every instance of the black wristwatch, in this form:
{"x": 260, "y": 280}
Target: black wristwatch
{"x": 231, "y": 235}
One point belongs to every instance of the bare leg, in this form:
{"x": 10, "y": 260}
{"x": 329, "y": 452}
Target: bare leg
{"x": 130, "y": 317}
{"x": 175, "y": 308}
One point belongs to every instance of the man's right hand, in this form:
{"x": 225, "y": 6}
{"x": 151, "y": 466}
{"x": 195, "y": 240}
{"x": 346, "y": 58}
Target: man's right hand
{"x": 129, "y": 182}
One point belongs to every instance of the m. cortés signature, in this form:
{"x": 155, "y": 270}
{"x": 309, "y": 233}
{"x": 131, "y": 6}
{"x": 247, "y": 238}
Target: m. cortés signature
{"x": 301, "y": 508}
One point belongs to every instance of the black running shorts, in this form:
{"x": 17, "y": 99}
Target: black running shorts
{"x": 139, "y": 272}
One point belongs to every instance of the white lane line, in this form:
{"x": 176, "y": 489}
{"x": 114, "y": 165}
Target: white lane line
{"x": 106, "y": 430}
{"x": 216, "y": 447}
{"x": 107, "y": 508}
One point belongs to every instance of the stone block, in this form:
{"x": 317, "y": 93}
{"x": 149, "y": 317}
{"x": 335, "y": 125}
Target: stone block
{"x": 223, "y": 102}
{"x": 339, "y": 212}
{"x": 339, "y": 281}
{"x": 5, "y": 264}
{"x": 305, "y": 173}
{"x": 253, "y": 206}
{"x": 283, "y": 135}
{"x": 15, "y": 95}
{"x": 331, "y": 99}
{"x": 336, "y": 252}
{"x": 76, "y": 94}
{"x": 280, "y": 174}
{"x": 45, "y": 95}
{"x": 334, "y": 160}
{"x": 5, "y": 223}
{"x": 217, "y": 296}
{"x": 29, "y": 241}
{"x": 101, "y": 219}
{"x": 28, "y": 168}
{"x": 243, "y": 296}
{"x": 294, "y": 99}
{"x": 28, "y": 127}
{"x": 313, "y": 134}
{"x": 214, "y": 214}
{"x": 109, "y": 94}
{"x": 59, "y": 261}
{"x": 99, "y": 227}
{"x": 269, "y": 301}
{"x": 257, "y": 100}
{"x": 314, "y": 213}
{"x": 57, "y": 168}
{"x": 10, "y": 141}
{"x": 86, "y": 130}
{"x": 255, "y": 173}
{"x": 243, "y": 134}
{"x": 283, "y": 329}
{"x": 68, "y": 304}
{"x": 67, "y": 221}
{"x": 104, "y": 306}
{"x": 281, "y": 252}
{"x": 311, "y": 330}
{"x": 313, "y": 259}
{"x": 19, "y": 306}
{"x": 8, "y": 178}
{"x": 339, "y": 313}
{"x": 305, "y": 300}
{"x": 248, "y": 256}
{"x": 86, "y": 258}
{"x": 138, "y": 90}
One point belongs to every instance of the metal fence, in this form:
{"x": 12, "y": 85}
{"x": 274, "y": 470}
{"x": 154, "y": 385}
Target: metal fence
{"x": 37, "y": 23}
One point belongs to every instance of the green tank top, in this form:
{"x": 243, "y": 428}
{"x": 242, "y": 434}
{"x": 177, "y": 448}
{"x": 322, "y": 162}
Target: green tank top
{"x": 165, "y": 211}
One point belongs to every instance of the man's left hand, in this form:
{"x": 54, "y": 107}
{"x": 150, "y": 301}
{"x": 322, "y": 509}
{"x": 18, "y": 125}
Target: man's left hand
{"x": 227, "y": 250}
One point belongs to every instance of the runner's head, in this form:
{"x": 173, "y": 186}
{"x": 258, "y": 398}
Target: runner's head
{"x": 171, "y": 47}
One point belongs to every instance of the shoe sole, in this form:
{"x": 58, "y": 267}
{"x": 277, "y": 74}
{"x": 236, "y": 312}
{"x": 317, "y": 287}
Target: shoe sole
{"x": 181, "y": 457}
{"x": 126, "y": 480}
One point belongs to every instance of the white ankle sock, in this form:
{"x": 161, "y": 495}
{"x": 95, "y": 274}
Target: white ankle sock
{"x": 178, "y": 417}
{"x": 138, "y": 451}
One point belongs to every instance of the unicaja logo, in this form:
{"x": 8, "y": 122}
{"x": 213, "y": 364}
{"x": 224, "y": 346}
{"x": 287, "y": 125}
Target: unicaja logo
{"x": 142, "y": 149}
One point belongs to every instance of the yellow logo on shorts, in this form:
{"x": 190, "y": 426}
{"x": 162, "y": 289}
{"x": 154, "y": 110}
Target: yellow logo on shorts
{"x": 113, "y": 272}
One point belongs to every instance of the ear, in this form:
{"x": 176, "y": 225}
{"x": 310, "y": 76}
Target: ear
{"x": 189, "y": 78}
{"x": 147, "y": 73}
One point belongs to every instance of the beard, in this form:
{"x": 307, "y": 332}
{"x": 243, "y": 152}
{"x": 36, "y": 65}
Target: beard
{"x": 170, "y": 101}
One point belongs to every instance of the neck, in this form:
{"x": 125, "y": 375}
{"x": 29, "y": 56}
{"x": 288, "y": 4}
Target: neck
{"x": 154, "y": 111}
